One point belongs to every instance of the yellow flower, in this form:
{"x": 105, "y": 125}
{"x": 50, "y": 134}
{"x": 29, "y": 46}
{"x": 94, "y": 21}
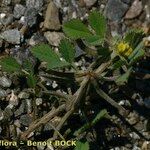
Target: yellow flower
{"x": 124, "y": 49}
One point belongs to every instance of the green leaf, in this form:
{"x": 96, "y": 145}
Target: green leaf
{"x": 99, "y": 116}
{"x": 82, "y": 146}
{"x": 31, "y": 80}
{"x": 103, "y": 51}
{"x": 82, "y": 129}
{"x": 118, "y": 64}
{"x": 134, "y": 37}
{"x": 44, "y": 53}
{"x": 94, "y": 40}
{"x": 28, "y": 66}
{"x": 10, "y": 65}
{"x": 123, "y": 78}
{"x": 137, "y": 53}
{"x": 67, "y": 50}
{"x": 75, "y": 29}
{"x": 98, "y": 23}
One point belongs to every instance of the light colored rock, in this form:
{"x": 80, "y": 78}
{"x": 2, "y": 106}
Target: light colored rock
{"x": 52, "y": 17}
{"x": 6, "y": 19}
{"x": 135, "y": 10}
{"x": 23, "y": 95}
{"x": 13, "y": 99}
{"x": 2, "y": 93}
{"x": 30, "y": 16}
{"x": 19, "y": 10}
{"x": 37, "y": 4}
{"x": 54, "y": 38}
{"x": 89, "y": 3}
{"x": 6, "y": 2}
{"x": 12, "y": 36}
{"x": 39, "y": 101}
{"x": 5, "y": 82}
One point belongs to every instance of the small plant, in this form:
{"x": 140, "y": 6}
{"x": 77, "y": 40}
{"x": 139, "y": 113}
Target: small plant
{"x": 120, "y": 53}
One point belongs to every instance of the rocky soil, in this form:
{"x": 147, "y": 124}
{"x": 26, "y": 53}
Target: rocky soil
{"x": 25, "y": 23}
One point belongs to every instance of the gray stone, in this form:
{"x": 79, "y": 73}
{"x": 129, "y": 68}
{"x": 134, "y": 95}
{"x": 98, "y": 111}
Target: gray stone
{"x": 7, "y": 113}
{"x": 54, "y": 38}
{"x": 26, "y": 120}
{"x": 23, "y": 95}
{"x": 21, "y": 54}
{"x": 115, "y": 10}
{"x": 52, "y": 17}
{"x": 134, "y": 136}
{"x": 22, "y": 109}
{"x": 19, "y": 11}
{"x": 133, "y": 118}
{"x": 136, "y": 148}
{"x": 6, "y": 19}
{"x": 1, "y": 115}
{"x": 139, "y": 126}
{"x": 5, "y": 82}
{"x": 30, "y": 16}
{"x": 29, "y": 105}
{"x": 39, "y": 101}
{"x": 36, "y": 39}
{"x": 6, "y": 2}
{"x": 79, "y": 51}
{"x": 12, "y": 36}
{"x": 37, "y": 4}
{"x": 89, "y": 3}
{"x": 2, "y": 93}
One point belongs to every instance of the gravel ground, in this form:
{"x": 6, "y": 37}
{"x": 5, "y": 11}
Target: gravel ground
{"x": 25, "y": 23}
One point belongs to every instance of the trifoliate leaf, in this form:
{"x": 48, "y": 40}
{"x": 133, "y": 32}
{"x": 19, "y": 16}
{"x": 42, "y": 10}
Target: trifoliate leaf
{"x": 10, "y": 65}
{"x": 98, "y": 23}
{"x": 44, "y": 53}
{"x": 75, "y": 29}
{"x": 67, "y": 50}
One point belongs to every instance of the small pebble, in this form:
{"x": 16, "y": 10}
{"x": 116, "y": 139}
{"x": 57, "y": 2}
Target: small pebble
{"x": 19, "y": 11}
{"x": 89, "y": 3}
{"x": 30, "y": 16}
{"x": 54, "y": 38}
{"x": 5, "y": 82}
{"x": 37, "y": 4}
{"x": 23, "y": 95}
{"x": 6, "y": 19}
{"x": 25, "y": 120}
{"x": 115, "y": 10}
{"x": 39, "y": 101}
{"x": 12, "y": 36}
{"x": 6, "y": 2}
{"x": 52, "y": 17}
{"x": 135, "y": 10}
{"x": 3, "y": 93}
